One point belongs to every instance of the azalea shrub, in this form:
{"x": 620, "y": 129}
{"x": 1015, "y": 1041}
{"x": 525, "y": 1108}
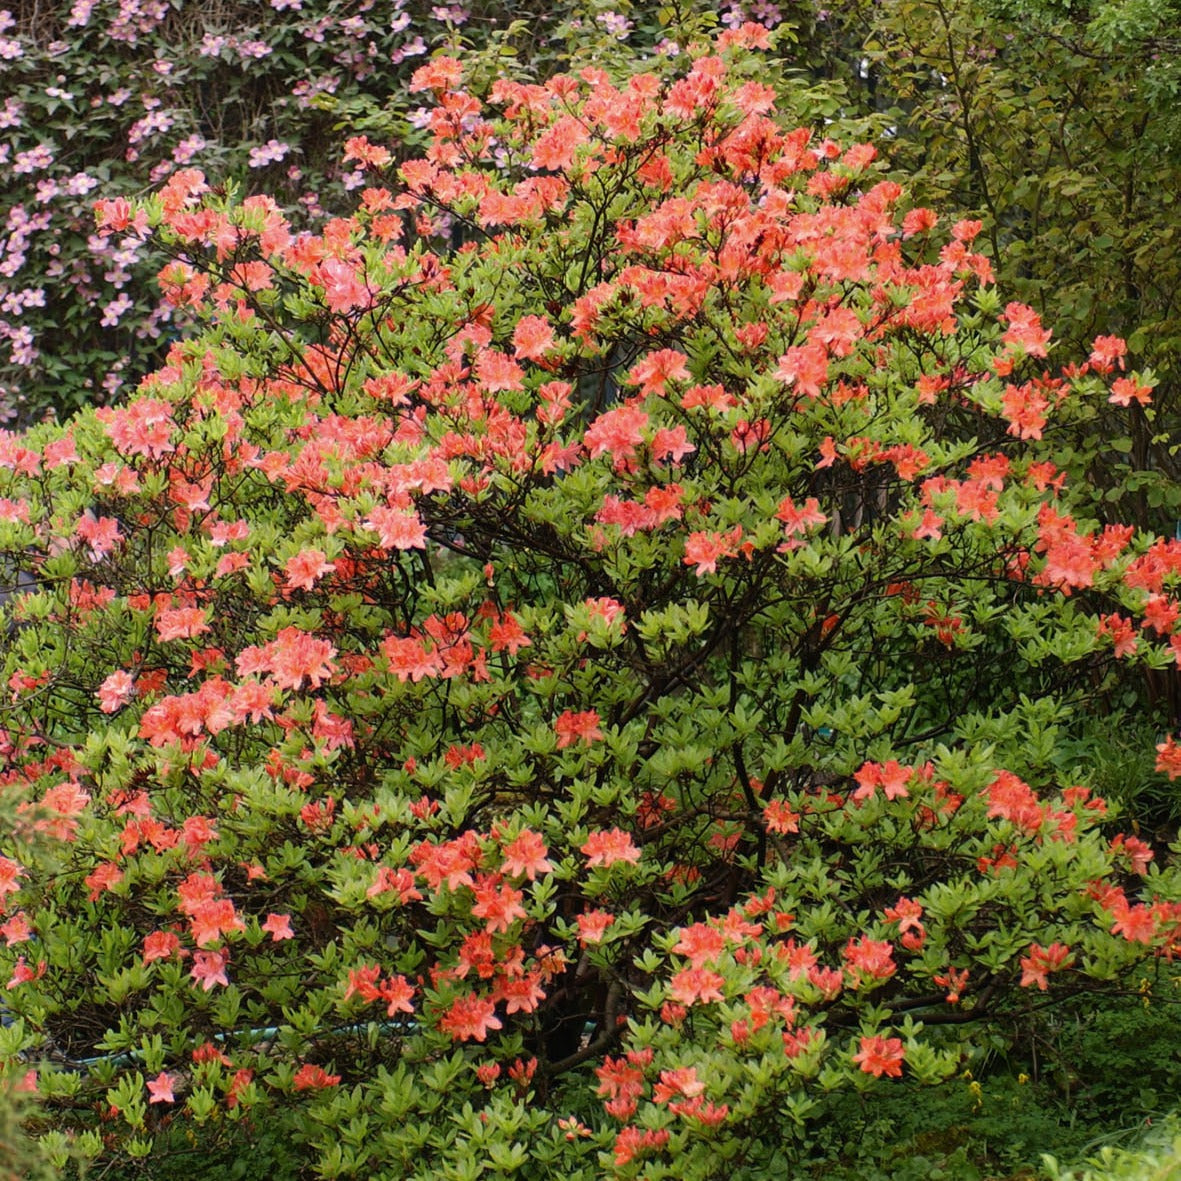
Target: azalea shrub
{"x": 583, "y": 701}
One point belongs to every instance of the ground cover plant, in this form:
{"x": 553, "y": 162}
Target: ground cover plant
{"x": 1156, "y": 1158}
{"x": 596, "y": 699}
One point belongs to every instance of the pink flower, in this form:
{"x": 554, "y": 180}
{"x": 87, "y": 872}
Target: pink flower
{"x": 681, "y": 1081}
{"x": 469, "y": 1017}
{"x": 693, "y": 986}
{"x": 213, "y": 918}
{"x": 115, "y": 692}
{"x": 100, "y": 534}
{"x": 497, "y": 372}
{"x": 104, "y": 877}
{"x": 306, "y": 568}
{"x": 1041, "y": 961}
{"x": 805, "y": 367}
{"x": 272, "y": 151}
{"x": 292, "y": 658}
{"x": 397, "y": 993}
{"x": 396, "y": 529}
{"x": 16, "y": 929}
{"x": 1125, "y": 390}
{"x": 497, "y": 904}
{"x": 868, "y": 959}
{"x": 571, "y": 727}
{"x": 343, "y": 286}
{"x": 180, "y": 623}
{"x": 22, "y": 973}
{"x": 160, "y": 945}
{"x": 800, "y": 520}
{"x": 209, "y": 968}
{"x": 705, "y": 550}
{"x": 881, "y": 1056}
{"x": 9, "y": 872}
{"x": 532, "y": 338}
{"x": 653, "y": 371}
{"x": 114, "y": 311}
{"x": 617, "y": 433}
{"x": 359, "y": 148}
{"x": 160, "y": 1088}
{"x": 311, "y": 1078}
{"x": 1108, "y": 352}
{"x": 1135, "y": 923}
{"x": 700, "y": 943}
{"x": 278, "y": 926}
{"x": 526, "y": 854}
{"x": 608, "y": 847}
{"x": 592, "y": 926}
{"x": 608, "y": 610}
